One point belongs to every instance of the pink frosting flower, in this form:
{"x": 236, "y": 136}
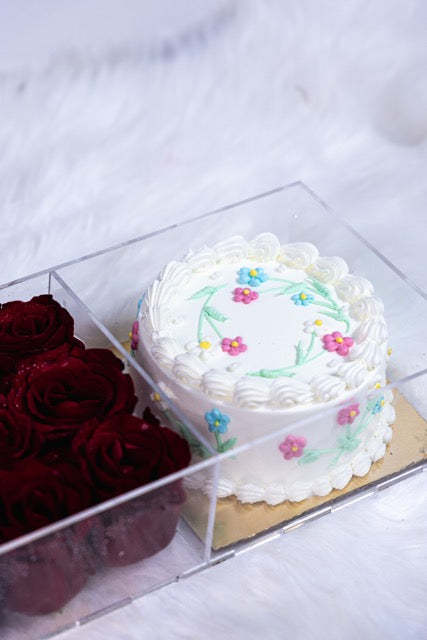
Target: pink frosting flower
{"x": 337, "y": 342}
{"x": 292, "y": 447}
{"x": 348, "y": 414}
{"x": 133, "y": 335}
{"x": 233, "y": 347}
{"x": 245, "y": 295}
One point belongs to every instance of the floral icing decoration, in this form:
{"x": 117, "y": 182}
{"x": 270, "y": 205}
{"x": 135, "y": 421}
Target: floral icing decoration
{"x": 350, "y": 439}
{"x": 378, "y": 406}
{"x": 347, "y": 415}
{"x": 302, "y": 299}
{"x": 244, "y": 295}
{"x": 292, "y": 447}
{"x": 253, "y": 277}
{"x": 337, "y": 342}
{"x": 218, "y": 424}
{"x": 317, "y": 327}
{"x": 206, "y": 348}
{"x": 208, "y": 313}
{"x": 133, "y": 335}
{"x": 233, "y": 347}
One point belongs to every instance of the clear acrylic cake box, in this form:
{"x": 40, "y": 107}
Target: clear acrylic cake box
{"x": 169, "y": 529}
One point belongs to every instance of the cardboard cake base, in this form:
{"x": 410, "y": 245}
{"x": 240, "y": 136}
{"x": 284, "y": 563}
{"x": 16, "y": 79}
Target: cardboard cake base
{"x": 236, "y": 521}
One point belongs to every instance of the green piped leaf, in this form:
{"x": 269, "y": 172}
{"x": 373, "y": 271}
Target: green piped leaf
{"x": 296, "y": 287}
{"x": 206, "y": 291}
{"x": 228, "y": 444}
{"x": 215, "y": 314}
{"x": 300, "y": 353}
{"x": 324, "y": 291}
{"x": 310, "y": 456}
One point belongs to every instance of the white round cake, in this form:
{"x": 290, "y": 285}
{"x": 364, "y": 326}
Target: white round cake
{"x": 248, "y": 337}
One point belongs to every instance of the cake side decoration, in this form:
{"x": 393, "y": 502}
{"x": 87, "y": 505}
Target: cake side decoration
{"x": 218, "y": 425}
{"x": 292, "y": 447}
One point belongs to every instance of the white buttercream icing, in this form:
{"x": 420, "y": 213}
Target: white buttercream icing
{"x": 218, "y": 384}
{"x": 328, "y": 270}
{"x": 189, "y": 369}
{"x": 326, "y": 387}
{"x": 366, "y": 308}
{"x": 371, "y": 329}
{"x": 232, "y": 249}
{"x": 264, "y": 246}
{"x": 165, "y": 350}
{"x": 298, "y": 255}
{"x": 287, "y": 392}
{"x": 250, "y": 392}
{"x": 368, "y": 352}
{"x": 175, "y": 273}
{"x": 351, "y": 288}
{"x": 201, "y": 260}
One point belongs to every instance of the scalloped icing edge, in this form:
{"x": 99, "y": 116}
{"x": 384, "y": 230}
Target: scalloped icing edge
{"x": 233, "y": 248}
{"x": 338, "y": 478}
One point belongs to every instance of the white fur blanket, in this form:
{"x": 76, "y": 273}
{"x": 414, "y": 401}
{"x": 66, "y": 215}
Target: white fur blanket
{"x": 102, "y": 145}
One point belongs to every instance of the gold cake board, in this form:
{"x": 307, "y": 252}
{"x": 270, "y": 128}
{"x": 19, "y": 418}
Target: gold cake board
{"x": 236, "y": 521}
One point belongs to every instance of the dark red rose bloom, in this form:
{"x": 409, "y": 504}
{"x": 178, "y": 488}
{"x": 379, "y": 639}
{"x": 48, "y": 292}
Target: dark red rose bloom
{"x": 28, "y": 328}
{"x": 41, "y": 577}
{"x": 140, "y": 527}
{"x": 34, "y": 494}
{"x": 124, "y": 452}
{"x": 18, "y": 438}
{"x": 60, "y": 393}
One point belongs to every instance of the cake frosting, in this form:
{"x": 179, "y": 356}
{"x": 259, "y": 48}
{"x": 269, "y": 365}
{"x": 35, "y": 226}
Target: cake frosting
{"x": 250, "y": 337}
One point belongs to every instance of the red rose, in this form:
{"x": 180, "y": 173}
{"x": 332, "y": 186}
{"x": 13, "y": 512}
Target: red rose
{"x": 34, "y": 494}
{"x": 18, "y": 439}
{"x": 28, "y": 328}
{"x": 61, "y": 390}
{"x": 140, "y": 527}
{"x": 41, "y": 577}
{"x": 125, "y": 452}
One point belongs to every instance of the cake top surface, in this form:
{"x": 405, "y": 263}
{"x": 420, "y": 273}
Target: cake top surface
{"x": 263, "y": 324}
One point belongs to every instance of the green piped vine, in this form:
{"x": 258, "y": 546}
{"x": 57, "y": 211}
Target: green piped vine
{"x": 208, "y": 313}
{"x": 347, "y": 441}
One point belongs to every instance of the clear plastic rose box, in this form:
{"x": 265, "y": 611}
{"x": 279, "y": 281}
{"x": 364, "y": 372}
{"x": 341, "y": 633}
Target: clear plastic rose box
{"x": 103, "y": 558}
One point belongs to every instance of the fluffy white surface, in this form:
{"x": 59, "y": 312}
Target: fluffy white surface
{"x": 104, "y": 146}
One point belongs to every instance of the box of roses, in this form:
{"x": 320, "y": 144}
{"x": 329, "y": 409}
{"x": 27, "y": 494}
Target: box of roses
{"x": 91, "y": 482}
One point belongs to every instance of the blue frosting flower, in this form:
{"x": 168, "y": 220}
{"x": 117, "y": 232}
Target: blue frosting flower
{"x": 302, "y": 298}
{"x": 253, "y": 277}
{"x": 217, "y": 421}
{"x": 378, "y": 406}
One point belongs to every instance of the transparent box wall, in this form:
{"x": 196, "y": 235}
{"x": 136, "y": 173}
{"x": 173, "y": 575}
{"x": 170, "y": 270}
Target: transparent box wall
{"x": 102, "y": 293}
{"x": 70, "y": 571}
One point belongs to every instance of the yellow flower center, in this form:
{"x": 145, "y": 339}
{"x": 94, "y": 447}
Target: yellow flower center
{"x": 382, "y": 403}
{"x": 303, "y": 296}
{"x": 339, "y": 340}
{"x": 352, "y": 414}
{"x": 253, "y": 273}
{"x": 318, "y": 323}
{"x": 156, "y": 397}
{"x": 294, "y": 448}
{"x": 246, "y": 291}
{"x": 217, "y": 423}
{"x": 204, "y": 344}
{"x": 389, "y": 351}
{"x": 377, "y": 385}
{"x": 234, "y": 343}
